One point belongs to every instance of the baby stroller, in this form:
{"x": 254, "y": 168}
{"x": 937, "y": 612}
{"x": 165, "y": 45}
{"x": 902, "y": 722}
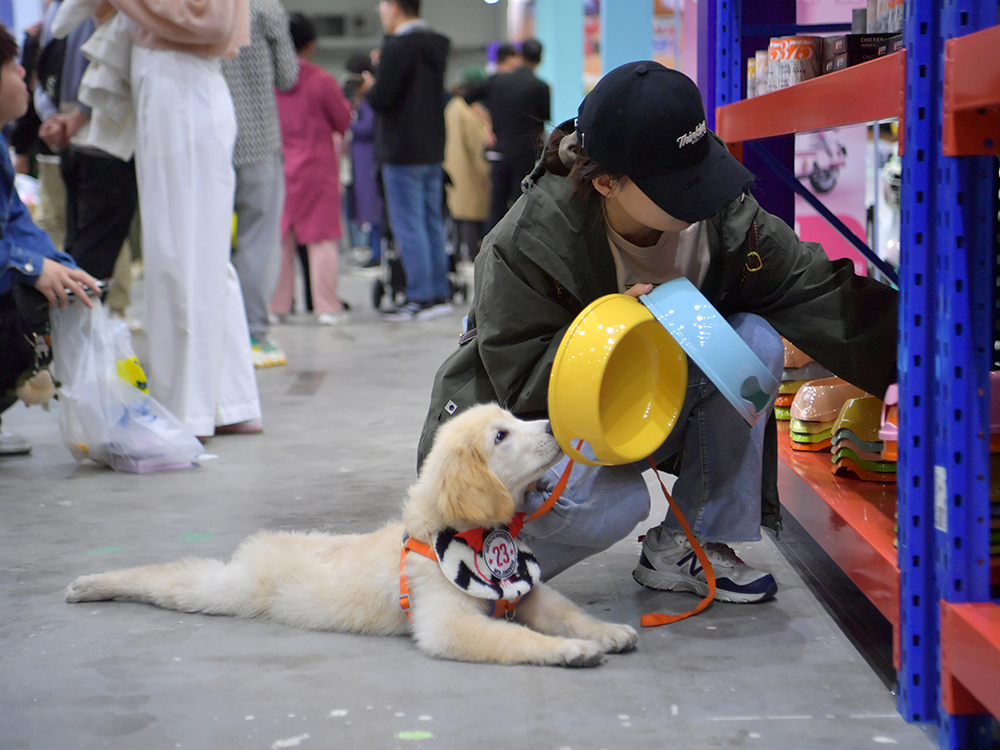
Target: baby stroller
{"x": 390, "y": 287}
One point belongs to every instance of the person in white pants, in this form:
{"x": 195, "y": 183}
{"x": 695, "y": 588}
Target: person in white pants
{"x": 200, "y": 365}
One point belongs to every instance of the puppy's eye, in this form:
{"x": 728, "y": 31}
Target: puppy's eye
{"x": 501, "y": 435}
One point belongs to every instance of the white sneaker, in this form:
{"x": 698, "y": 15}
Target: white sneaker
{"x": 668, "y": 563}
{"x": 435, "y": 310}
{"x": 331, "y": 318}
{"x": 266, "y": 353}
{"x": 13, "y": 445}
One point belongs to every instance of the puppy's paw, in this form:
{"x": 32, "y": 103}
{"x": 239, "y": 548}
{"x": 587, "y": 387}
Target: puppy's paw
{"x": 617, "y": 639}
{"x": 86, "y": 589}
{"x": 579, "y": 653}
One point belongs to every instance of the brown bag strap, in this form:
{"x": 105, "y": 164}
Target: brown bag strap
{"x": 753, "y": 262}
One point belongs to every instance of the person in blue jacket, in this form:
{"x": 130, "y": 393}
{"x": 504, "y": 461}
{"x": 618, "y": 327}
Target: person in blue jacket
{"x": 27, "y": 256}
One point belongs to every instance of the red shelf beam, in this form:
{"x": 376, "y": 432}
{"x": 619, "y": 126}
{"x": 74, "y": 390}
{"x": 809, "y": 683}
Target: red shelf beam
{"x": 972, "y": 94}
{"x": 862, "y": 93}
{"x": 853, "y": 521}
{"x": 970, "y": 658}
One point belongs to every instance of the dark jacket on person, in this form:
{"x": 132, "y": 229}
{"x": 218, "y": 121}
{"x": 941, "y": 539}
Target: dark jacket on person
{"x": 408, "y": 98}
{"x": 519, "y": 105}
{"x": 549, "y": 258}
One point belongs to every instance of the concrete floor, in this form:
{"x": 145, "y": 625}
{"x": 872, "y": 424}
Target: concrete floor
{"x": 341, "y": 424}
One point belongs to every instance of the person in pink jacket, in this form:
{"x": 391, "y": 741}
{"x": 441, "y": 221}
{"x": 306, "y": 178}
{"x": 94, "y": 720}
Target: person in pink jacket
{"x": 312, "y": 113}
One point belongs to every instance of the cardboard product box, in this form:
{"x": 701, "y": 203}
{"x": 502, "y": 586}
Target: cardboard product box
{"x": 851, "y": 49}
{"x": 793, "y": 59}
{"x": 893, "y": 23}
{"x": 760, "y": 72}
{"x": 892, "y": 44}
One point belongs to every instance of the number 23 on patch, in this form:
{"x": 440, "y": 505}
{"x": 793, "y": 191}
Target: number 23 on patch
{"x": 500, "y": 554}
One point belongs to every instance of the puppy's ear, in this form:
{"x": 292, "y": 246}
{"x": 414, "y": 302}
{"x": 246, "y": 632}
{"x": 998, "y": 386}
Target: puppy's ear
{"x": 468, "y": 492}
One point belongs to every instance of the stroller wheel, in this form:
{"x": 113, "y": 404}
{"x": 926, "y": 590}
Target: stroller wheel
{"x": 378, "y": 292}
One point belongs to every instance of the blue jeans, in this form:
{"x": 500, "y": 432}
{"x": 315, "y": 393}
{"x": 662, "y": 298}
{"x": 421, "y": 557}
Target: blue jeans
{"x": 718, "y": 488}
{"x": 413, "y": 196}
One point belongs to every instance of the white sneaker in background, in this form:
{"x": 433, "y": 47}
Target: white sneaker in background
{"x": 331, "y": 318}
{"x": 266, "y": 353}
{"x": 435, "y": 310}
{"x": 13, "y": 445}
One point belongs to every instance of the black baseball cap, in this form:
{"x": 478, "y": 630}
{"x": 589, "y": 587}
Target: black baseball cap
{"x": 647, "y": 122}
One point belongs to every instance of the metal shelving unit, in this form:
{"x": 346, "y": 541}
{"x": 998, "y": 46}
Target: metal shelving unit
{"x": 946, "y": 86}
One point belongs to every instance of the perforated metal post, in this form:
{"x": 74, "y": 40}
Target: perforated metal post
{"x": 965, "y": 252}
{"x": 728, "y": 22}
{"x": 919, "y": 627}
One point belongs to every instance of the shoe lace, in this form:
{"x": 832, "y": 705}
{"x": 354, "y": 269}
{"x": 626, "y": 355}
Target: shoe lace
{"x": 723, "y": 553}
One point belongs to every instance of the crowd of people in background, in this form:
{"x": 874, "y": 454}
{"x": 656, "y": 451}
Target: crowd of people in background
{"x": 217, "y": 182}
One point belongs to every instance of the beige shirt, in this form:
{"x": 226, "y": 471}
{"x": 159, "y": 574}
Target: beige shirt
{"x": 674, "y": 255}
{"x": 469, "y": 191}
{"x": 207, "y": 28}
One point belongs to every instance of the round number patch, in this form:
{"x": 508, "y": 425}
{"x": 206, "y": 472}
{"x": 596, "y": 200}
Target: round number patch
{"x": 500, "y": 554}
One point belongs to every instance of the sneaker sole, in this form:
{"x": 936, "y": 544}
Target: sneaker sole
{"x": 659, "y": 581}
{"x": 432, "y": 313}
{"x": 20, "y": 451}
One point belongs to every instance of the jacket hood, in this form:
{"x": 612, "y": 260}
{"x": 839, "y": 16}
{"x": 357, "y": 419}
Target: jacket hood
{"x": 307, "y": 71}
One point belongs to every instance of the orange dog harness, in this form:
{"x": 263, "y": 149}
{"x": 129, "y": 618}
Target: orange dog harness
{"x": 491, "y": 564}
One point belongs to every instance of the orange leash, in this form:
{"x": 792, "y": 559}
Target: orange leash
{"x": 650, "y": 620}
{"x": 556, "y": 491}
{"x": 653, "y": 620}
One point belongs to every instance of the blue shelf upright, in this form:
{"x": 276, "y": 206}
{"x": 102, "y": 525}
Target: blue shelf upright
{"x": 964, "y": 289}
{"x": 919, "y": 626}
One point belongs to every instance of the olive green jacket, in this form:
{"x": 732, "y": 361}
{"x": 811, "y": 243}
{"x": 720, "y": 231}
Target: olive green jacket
{"x": 546, "y": 260}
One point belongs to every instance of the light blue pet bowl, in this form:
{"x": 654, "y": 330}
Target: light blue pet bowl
{"x": 714, "y": 346}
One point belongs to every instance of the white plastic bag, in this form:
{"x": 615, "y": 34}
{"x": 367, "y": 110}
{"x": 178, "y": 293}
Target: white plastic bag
{"x": 104, "y": 415}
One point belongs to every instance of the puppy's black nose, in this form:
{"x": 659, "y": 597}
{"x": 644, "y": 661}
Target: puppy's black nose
{"x": 548, "y": 428}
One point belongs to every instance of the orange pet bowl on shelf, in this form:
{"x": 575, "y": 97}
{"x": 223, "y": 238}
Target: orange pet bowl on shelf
{"x": 794, "y": 357}
{"x": 618, "y": 382}
{"x": 821, "y": 400}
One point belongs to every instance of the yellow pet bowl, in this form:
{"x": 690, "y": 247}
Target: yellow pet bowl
{"x": 618, "y": 383}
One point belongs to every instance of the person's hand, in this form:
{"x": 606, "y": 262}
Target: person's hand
{"x": 367, "y": 81}
{"x": 53, "y": 132}
{"x": 72, "y": 121}
{"x": 637, "y": 290}
{"x": 56, "y": 278}
{"x": 104, "y": 12}
{"x": 489, "y": 138}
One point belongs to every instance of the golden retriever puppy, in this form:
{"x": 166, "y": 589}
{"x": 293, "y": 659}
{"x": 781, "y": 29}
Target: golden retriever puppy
{"x": 473, "y": 480}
